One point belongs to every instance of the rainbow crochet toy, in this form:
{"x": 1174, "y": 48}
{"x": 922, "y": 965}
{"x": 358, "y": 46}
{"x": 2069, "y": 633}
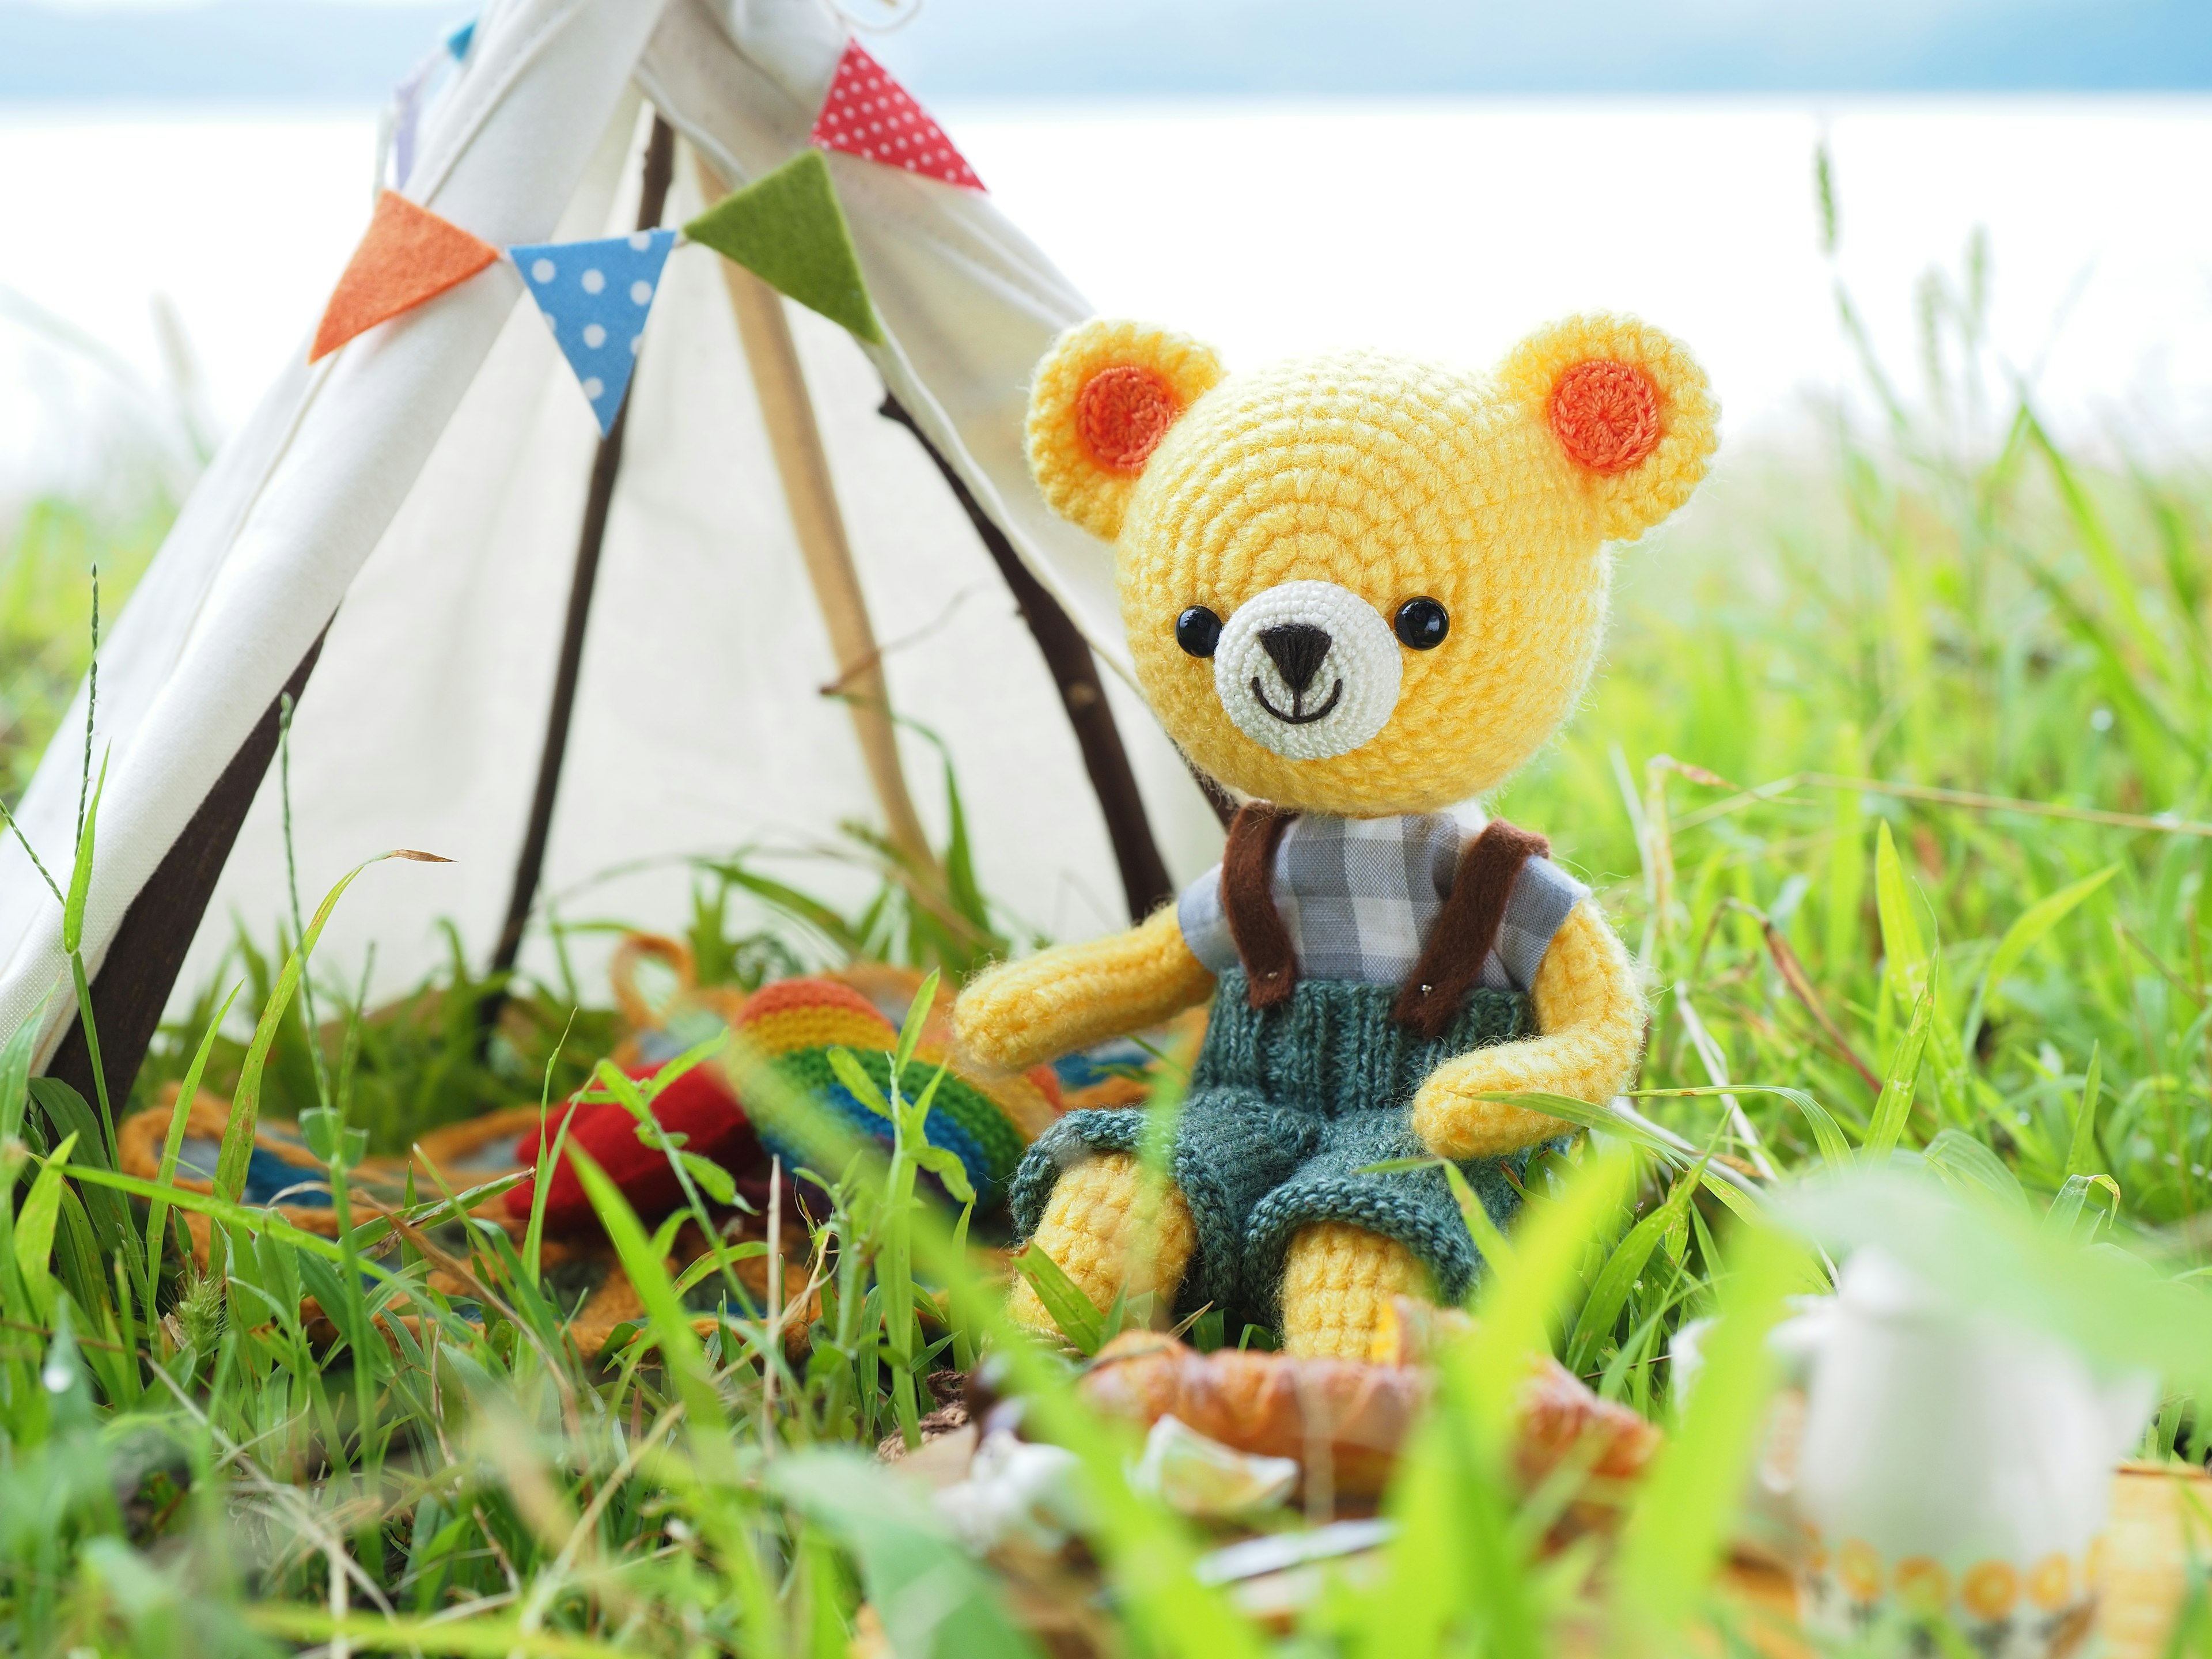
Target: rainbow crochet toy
{"x": 1360, "y": 590}
{"x": 987, "y": 1122}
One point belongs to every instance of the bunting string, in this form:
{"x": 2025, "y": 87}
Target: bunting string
{"x": 788, "y": 227}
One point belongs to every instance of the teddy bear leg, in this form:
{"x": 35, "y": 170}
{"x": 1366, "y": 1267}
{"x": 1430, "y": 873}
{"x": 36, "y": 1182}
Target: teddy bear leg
{"x": 1108, "y": 1226}
{"x": 1337, "y": 1280}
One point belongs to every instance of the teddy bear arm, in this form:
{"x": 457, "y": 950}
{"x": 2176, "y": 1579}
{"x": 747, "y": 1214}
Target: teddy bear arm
{"x": 1067, "y": 998}
{"x": 1590, "y": 1020}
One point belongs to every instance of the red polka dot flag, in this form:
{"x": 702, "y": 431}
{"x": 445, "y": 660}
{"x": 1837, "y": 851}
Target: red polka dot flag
{"x": 870, "y": 115}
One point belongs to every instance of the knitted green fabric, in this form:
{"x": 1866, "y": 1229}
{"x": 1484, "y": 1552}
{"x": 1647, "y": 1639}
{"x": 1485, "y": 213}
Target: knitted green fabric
{"x": 1286, "y": 1105}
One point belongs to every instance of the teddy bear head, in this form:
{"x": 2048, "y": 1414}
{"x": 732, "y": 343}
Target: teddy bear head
{"x": 1358, "y": 583}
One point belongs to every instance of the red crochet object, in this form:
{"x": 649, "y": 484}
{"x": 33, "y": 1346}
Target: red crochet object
{"x": 698, "y": 1105}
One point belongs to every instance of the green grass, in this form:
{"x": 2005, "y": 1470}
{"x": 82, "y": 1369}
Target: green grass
{"x": 1893, "y": 779}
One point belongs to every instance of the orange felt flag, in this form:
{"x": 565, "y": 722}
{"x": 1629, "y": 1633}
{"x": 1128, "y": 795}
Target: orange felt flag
{"x": 408, "y": 255}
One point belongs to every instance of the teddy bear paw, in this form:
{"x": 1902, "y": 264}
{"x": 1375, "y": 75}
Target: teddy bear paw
{"x": 1455, "y": 1123}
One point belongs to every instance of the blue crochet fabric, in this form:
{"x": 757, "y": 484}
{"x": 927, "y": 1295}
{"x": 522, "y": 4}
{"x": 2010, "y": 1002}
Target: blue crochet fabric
{"x": 1286, "y": 1104}
{"x": 267, "y": 1176}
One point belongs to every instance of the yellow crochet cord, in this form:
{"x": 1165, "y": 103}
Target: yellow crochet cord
{"x": 1106, "y": 1230}
{"x": 1589, "y": 1017}
{"x": 1337, "y": 1281}
{"x": 1051, "y": 1004}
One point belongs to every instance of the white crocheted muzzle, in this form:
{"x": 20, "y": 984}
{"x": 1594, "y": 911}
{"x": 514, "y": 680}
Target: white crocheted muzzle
{"x": 1308, "y": 670}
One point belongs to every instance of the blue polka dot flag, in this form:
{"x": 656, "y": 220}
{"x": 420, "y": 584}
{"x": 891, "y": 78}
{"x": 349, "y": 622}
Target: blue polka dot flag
{"x": 595, "y": 295}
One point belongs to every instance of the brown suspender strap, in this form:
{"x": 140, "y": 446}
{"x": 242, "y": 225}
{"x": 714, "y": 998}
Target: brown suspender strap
{"x": 1247, "y": 899}
{"x": 1465, "y": 929}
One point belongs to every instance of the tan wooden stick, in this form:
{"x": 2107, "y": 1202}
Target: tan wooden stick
{"x": 801, "y": 461}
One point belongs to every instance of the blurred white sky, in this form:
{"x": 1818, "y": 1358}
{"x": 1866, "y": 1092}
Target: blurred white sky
{"x": 1442, "y": 228}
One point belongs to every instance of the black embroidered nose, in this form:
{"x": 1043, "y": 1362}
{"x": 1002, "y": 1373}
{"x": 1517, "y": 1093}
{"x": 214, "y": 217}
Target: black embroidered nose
{"x": 1299, "y": 649}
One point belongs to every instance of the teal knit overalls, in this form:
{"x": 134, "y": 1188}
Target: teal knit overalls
{"x": 1303, "y": 1084}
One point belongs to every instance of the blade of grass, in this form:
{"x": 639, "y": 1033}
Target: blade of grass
{"x": 246, "y": 1102}
{"x": 931, "y": 1597}
{"x": 1891, "y": 1111}
{"x": 1079, "y": 1320}
{"x": 80, "y": 889}
{"x": 157, "y": 1215}
{"x": 670, "y": 1323}
{"x": 2081, "y": 1152}
{"x": 34, "y": 1226}
{"x": 1675, "y": 1534}
{"x": 1954, "y": 1153}
{"x": 1905, "y": 955}
{"x": 1602, "y": 1309}
{"x": 2027, "y": 931}
{"x": 534, "y": 1237}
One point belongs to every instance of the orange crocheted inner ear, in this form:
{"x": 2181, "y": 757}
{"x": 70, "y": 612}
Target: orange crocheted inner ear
{"x": 1606, "y": 414}
{"x": 1123, "y": 412}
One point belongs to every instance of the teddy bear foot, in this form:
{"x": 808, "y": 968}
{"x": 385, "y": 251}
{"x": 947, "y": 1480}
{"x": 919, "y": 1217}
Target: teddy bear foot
{"x": 1107, "y": 1227}
{"x": 1338, "y": 1281}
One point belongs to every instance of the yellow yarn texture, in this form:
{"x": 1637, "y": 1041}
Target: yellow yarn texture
{"x": 1337, "y": 1280}
{"x": 1589, "y": 1017}
{"x": 1021, "y": 1012}
{"x": 1396, "y": 479}
{"x": 1067, "y": 469}
{"x": 1630, "y": 502}
{"x": 1108, "y": 1228}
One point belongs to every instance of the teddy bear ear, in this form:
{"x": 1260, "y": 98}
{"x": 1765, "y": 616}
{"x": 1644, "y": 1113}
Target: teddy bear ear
{"x": 1627, "y": 405}
{"x": 1102, "y": 400}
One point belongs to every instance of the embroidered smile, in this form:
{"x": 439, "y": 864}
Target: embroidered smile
{"x": 1297, "y": 701}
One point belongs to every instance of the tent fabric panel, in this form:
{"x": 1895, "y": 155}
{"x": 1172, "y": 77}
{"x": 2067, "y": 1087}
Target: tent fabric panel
{"x": 432, "y": 474}
{"x": 503, "y": 163}
{"x": 700, "y": 725}
{"x": 140, "y": 648}
{"x": 969, "y": 303}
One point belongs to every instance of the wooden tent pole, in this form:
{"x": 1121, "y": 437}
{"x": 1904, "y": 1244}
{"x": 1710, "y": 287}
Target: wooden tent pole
{"x": 606, "y": 465}
{"x": 804, "y": 467}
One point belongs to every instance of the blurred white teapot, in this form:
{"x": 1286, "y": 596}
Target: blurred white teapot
{"x": 1948, "y": 1460}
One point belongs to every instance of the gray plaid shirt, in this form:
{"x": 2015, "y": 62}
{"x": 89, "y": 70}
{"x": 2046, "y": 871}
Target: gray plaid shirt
{"x": 1358, "y": 896}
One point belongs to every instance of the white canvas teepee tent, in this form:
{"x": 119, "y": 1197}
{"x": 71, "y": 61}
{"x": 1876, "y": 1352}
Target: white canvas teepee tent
{"x": 419, "y": 494}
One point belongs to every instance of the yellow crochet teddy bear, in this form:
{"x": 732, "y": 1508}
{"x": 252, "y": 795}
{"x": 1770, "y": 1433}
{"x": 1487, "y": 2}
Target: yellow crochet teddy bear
{"x": 1359, "y": 590}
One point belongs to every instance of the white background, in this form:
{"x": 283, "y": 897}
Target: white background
{"x": 1445, "y": 228}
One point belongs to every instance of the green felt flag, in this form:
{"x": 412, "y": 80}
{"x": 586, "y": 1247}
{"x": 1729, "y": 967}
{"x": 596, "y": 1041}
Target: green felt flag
{"x": 787, "y": 228}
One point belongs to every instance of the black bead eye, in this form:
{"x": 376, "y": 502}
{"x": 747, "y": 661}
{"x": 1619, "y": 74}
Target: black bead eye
{"x": 1422, "y": 625}
{"x": 1198, "y": 630}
